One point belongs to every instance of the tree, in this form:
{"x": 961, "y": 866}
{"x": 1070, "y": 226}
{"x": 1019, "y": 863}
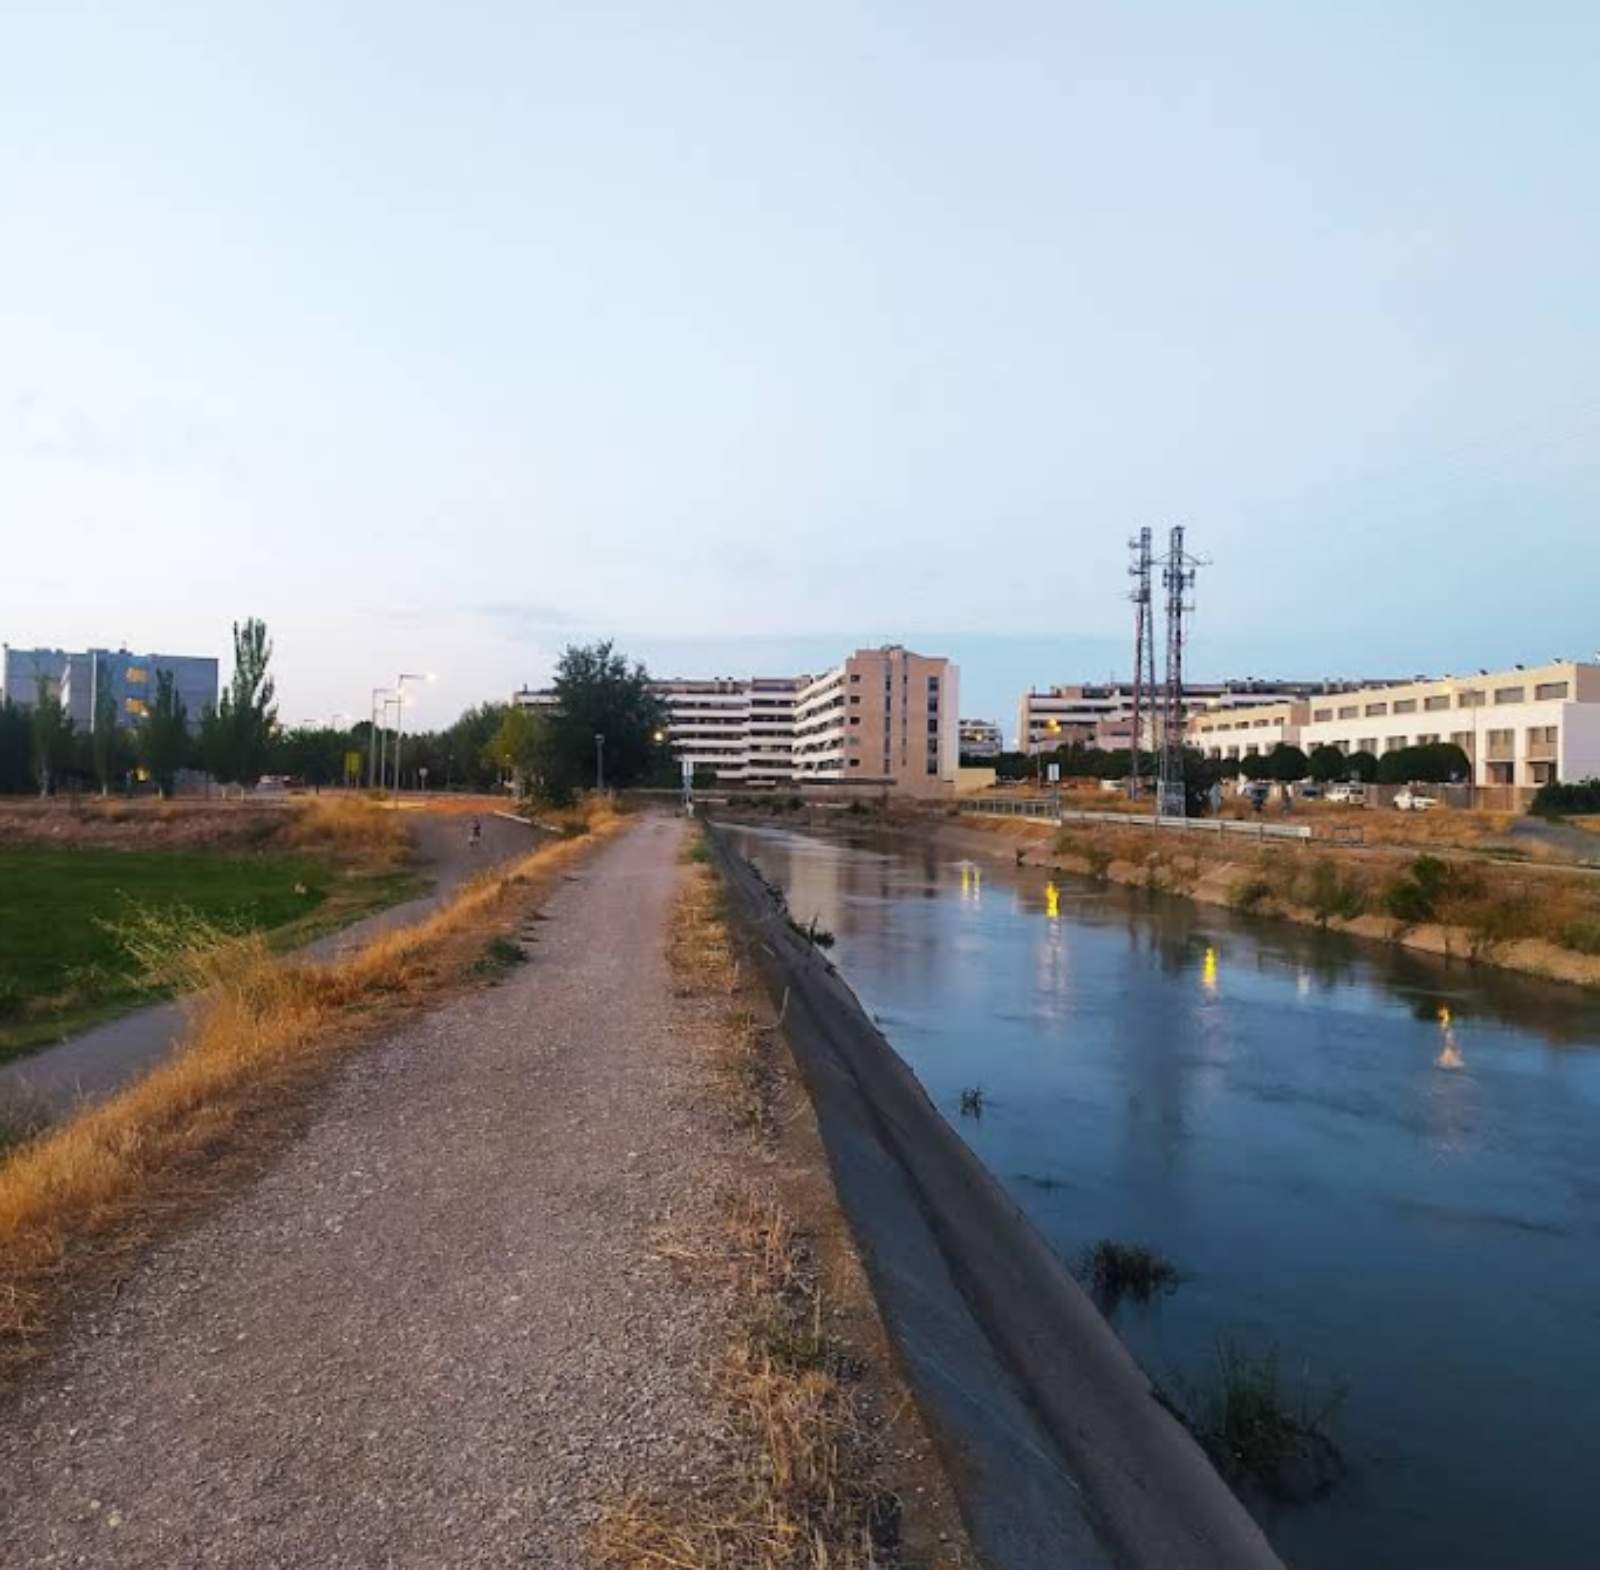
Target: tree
{"x": 518, "y": 745}
{"x": 164, "y": 736}
{"x": 52, "y": 737}
{"x": 1287, "y": 763}
{"x": 598, "y": 693}
{"x": 1435, "y": 763}
{"x": 1327, "y": 764}
{"x": 238, "y": 737}
{"x": 1361, "y": 766}
{"x": 109, "y": 753}
{"x": 16, "y": 748}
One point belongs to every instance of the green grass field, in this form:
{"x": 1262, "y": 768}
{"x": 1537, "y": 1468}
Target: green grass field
{"x": 61, "y": 969}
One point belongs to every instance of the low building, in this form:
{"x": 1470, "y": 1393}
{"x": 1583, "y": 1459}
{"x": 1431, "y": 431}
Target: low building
{"x": 980, "y": 739}
{"x": 1525, "y": 727}
{"x": 84, "y": 681}
{"x": 1101, "y": 715}
{"x": 883, "y": 718}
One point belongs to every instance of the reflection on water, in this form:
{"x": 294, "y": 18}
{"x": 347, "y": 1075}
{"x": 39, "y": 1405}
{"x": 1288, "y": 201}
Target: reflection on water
{"x": 1383, "y": 1163}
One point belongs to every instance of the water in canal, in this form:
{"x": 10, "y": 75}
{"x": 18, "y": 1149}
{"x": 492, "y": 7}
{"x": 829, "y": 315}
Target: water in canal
{"x": 1384, "y": 1165}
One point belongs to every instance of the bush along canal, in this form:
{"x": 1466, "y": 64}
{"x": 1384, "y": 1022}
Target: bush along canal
{"x": 1338, "y": 1199}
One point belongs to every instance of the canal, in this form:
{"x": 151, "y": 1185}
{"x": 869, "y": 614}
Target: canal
{"x": 1384, "y": 1166}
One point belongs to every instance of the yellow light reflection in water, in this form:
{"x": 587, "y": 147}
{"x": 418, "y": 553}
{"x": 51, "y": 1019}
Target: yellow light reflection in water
{"x": 1450, "y": 1052}
{"x": 1052, "y": 902}
{"x": 971, "y": 882}
{"x": 1208, "y": 971}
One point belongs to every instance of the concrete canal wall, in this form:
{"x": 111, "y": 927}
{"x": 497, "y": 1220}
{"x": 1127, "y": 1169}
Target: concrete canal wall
{"x": 1053, "y": 1437}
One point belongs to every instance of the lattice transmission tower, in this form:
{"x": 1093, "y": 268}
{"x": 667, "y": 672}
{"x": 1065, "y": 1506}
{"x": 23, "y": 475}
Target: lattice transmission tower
{"x": 1177, "y": 577}
{"x": 1144, "y": 653}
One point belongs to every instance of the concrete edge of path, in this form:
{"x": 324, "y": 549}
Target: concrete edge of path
{"x": 1006, "y": 1353}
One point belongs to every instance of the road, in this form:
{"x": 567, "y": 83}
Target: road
{"x": 429, "y": 1335}
{"x": 106, "y": 1057}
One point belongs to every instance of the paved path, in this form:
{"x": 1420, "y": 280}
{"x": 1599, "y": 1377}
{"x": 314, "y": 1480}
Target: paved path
{"x": 105, "y": 1057}
{"x": 426, "y": 1336}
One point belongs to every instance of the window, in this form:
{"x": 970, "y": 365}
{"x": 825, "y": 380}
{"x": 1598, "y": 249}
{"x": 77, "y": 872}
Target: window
{"x": 855, "y": 719}
{"x": 1377, "y": 708}
{"x": 1321, "y": 716}
{"x": 855, "y": 763}
{"x": 1472, "y": 698}
{"x": 1462, "y": 739}
{"x": 855, "y": 675}
{"x": 138, "y": 676}
{"x": 1541, "y": 735}
{"x": 1349, "y": 712}
{"x": 1550, "y": 689}
{"x": 1405, "y": 705}
{"x": 1440, "y": 700}
{"x": 136, "y": 706}
{"x": 855, "y": 697}
{"x": 1367, "y": 744}
{"x": 1509, "y": 694}
{"x": 1430, "y": 740}
{"x": 1394, "y": 743}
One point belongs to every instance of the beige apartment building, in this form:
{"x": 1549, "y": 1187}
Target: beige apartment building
{"x": 1524, "y": 727}
{"x": 884, "y": 719}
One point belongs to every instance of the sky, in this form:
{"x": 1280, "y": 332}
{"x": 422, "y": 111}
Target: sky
{"x": 746, "y": 334}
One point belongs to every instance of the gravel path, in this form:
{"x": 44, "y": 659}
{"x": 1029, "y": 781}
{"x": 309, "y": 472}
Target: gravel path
{"x": 430, "y": 1335}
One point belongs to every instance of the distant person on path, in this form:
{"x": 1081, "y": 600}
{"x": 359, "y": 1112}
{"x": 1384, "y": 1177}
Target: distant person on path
{"x": 475, "y": 835}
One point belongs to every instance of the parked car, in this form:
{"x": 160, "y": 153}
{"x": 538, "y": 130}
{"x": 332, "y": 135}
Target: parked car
{"x": 1413, "y": 800}
{"x": 1308, "y": 793}
{"x": 1348, "y": 795}
{"x": 1256, "y": 793}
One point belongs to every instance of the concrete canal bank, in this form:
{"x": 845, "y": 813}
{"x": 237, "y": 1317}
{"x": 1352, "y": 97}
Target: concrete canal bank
{"x": 1053, "y": 1436}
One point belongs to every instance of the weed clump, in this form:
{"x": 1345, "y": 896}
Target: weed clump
{"x": 500, "y": 955}
{"x": 1260, "y": 1434}
{"x": 1114, "y": 1271}
{"x": 819, "y": 937}
{"x": 972, "y": 1102}
{"x": 1249, "y": 894}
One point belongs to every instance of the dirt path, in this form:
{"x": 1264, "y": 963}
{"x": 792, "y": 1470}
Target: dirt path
{"x": 105, "y": 1057}
{"x": 428, "y": 1336}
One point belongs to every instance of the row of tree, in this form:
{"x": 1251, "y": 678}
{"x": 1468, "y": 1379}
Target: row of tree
{"x": 552, "y": 752}
{"x": 41, "y": 748}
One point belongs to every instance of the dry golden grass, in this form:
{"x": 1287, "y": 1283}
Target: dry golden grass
{"x": 353, "y": 828}
{"x": 83, "y": 1193}
{"x": 795, "y": 1487}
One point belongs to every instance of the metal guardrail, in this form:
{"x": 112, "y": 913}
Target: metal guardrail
{"x": 1044, "y": 809}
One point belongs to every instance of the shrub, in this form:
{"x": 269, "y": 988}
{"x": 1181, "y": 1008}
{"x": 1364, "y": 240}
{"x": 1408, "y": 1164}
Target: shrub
{"x": 1551, "y": 801}
{"x": 1331, "y": 892}
{"x": 1582, "y": 935}
{"x": 1416, "y": 894}
{"x": 1249, "y": 893}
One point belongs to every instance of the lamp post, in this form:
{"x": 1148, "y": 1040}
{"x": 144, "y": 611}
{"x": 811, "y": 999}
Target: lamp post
{"x": 599, "y": 761}
{"x": 400, "y": 720}
{"x": 390, "y": 702}
{"x": 372, "y": 739}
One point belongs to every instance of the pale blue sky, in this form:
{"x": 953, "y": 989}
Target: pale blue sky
{"x": 438, "y": 335}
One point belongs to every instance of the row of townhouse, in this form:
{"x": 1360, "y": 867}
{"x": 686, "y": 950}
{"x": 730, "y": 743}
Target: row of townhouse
{"x": 882, "y": 718}
{"x": 1101, "y": 715}
{"x": 1524, "y": 727}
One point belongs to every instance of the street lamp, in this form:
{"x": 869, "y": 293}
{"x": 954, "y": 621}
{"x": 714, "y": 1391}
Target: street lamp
{"x": 391, "y": 702}
{"x": 599, "y": 761}
{"x": 372, "y": 737}
{"x": 400, "y": 722}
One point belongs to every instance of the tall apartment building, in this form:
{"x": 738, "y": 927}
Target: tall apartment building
{"x": 79, "y": 680}
{"x": 1101, "y": 715}
{"x": 883, "y": 718}
{"x": 1525, "y": 727}
{"x": 980, "y": 739}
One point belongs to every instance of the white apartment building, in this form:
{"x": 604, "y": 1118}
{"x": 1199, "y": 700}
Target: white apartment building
{"x": 980, "y": 739}
{"x": 1101, "y": 715}
{"x": 884, "y": 718}
{"x": 1524, "y": 727}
